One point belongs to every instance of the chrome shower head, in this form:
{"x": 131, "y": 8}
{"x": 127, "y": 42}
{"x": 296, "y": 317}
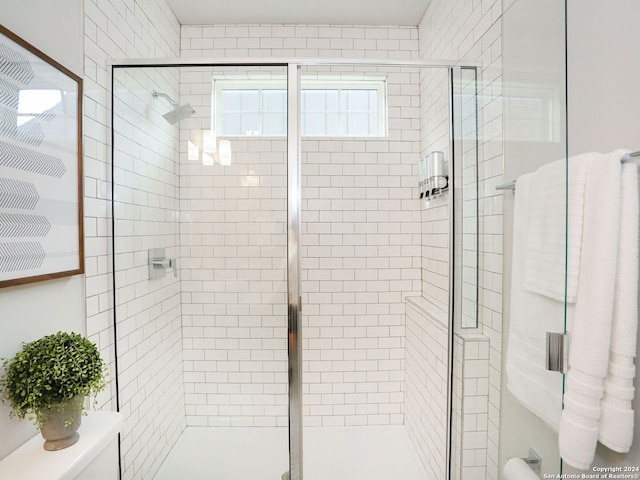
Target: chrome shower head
{"x": 179, "y": 112}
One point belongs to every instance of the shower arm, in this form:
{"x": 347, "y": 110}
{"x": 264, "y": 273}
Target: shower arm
{"x": 157, "y": 94}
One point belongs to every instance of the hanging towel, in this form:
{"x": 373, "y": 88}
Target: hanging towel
{"x": 555, "y": 228}
{"x": 531, "y": 316}
{"x": 517, "y": 469}
{"x": 616, "y": 422}
{"x": 591, "y": 330}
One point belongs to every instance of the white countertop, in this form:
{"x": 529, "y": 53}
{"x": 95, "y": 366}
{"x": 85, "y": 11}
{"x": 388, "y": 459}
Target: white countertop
{"x": 32, "y": 462}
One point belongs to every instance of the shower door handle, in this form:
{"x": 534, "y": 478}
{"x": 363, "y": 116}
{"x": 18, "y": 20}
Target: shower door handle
{"x": 556, "y": 352}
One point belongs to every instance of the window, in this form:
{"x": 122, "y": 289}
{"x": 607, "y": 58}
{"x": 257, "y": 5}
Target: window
{"x": 245, "y": 109}
{"x": 330, "y": 107}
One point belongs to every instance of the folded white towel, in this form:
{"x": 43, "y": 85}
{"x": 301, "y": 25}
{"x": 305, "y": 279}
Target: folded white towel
{"x": 537, "y": 389}
{"x": 619, "y": 367}
{"x": 577, "y": 440}
{"x": 625, "y": 312}
{"x": 590, "y": 338}
{"x": 617, "y": 421}
{"x": 556, "y": 226}
{"x": 616, "y": 426}
{"x": 531, "y": 316}
{"x": 619, "y": 389}
{"x": 591, "y": 330}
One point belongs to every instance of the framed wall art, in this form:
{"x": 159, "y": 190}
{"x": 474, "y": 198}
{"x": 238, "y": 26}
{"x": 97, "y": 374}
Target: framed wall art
{"x": 41, "y": 234}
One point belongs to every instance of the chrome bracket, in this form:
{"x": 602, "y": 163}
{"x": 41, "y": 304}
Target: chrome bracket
{"x": 534, "y": 461}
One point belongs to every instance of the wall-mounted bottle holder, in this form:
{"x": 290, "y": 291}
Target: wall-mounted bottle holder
{"x": 433, "y": 180}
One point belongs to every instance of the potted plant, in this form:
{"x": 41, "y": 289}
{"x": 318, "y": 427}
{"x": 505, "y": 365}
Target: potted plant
{"x": 47, "y": 381}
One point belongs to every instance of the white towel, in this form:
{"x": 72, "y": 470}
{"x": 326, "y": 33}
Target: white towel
{"x": 617, "y": 420}
{"x": 591, "y": 329}
{"x": 550, "y": 248}
{"x": 531, "y": 316}
{"x": 517, "y": 469}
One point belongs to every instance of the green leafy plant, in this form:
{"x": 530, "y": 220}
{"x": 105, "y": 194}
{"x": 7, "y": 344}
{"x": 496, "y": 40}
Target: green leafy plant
{"x": 50, "y": 371}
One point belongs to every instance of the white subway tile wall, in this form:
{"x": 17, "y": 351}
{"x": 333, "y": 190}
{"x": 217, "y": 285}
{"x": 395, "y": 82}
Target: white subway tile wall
{"x": 473, "y": 391}
{"x": 457, "y": 413}
{"x": 233, "y": 267}
{"x": 359, "y": 247}
{"x": 304, "y": 41}
{"x": 360, "y": 259}
{"x": 426, "y": 367}
{"x": 470, "y": 32}
{"x": 150, "y": 370}
{"x": 435, "y": 130}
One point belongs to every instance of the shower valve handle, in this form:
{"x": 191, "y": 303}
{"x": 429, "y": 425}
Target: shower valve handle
{"x": 166, "y": 263}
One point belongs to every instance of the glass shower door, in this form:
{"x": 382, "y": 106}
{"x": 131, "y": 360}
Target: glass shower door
{"x": 535, "y": 233}
{"x": 200, "y": 261}
{"x": 360, "y": 259}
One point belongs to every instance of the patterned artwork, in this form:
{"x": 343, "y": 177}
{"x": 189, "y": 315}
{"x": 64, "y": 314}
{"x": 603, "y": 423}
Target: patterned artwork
{"x": 40, "y": 166}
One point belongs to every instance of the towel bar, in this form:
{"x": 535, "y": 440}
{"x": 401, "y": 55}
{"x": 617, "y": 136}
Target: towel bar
{"x": 508, "y": 186}
{"x": 629, "y": 157}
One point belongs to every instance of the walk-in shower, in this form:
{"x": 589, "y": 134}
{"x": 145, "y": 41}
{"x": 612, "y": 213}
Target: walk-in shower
{"x": 281, "y": 311}
{"x": 309, "y": 310}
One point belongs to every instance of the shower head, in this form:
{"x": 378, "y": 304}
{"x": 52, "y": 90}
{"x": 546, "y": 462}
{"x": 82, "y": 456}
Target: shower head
{"x": 179, "y": 112}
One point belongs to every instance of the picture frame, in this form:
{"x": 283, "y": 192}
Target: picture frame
{"x": 41, "y": 210}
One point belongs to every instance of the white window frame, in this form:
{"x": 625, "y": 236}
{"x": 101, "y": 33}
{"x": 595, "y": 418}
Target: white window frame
{"x": 249, "y": 84}
{"x": 379, "y": 84}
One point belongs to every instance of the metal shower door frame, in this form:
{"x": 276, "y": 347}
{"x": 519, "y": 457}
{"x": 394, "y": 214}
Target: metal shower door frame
{"x": 294, "y": 307}
{"x": 294, "y": 301}
{"x": 294, "y": 190}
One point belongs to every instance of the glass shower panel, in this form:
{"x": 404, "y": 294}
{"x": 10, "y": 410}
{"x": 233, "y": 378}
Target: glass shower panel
{"x": 145, "y": 189}
{"x": 470, "y": 370}
{"x": 534, "y": 96}
{"x": 200, "y": 252}
{"x": 465, "y": 104}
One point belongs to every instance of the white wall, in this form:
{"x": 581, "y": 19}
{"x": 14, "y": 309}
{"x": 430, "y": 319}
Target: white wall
{"x": 603, "y": 63}
{"x": 604, "y": 108}
{"x": 32, "y": 311}
{"x": 54, "y": 27}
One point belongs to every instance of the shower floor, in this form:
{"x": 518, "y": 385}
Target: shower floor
{"x": 330, "y": 453}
